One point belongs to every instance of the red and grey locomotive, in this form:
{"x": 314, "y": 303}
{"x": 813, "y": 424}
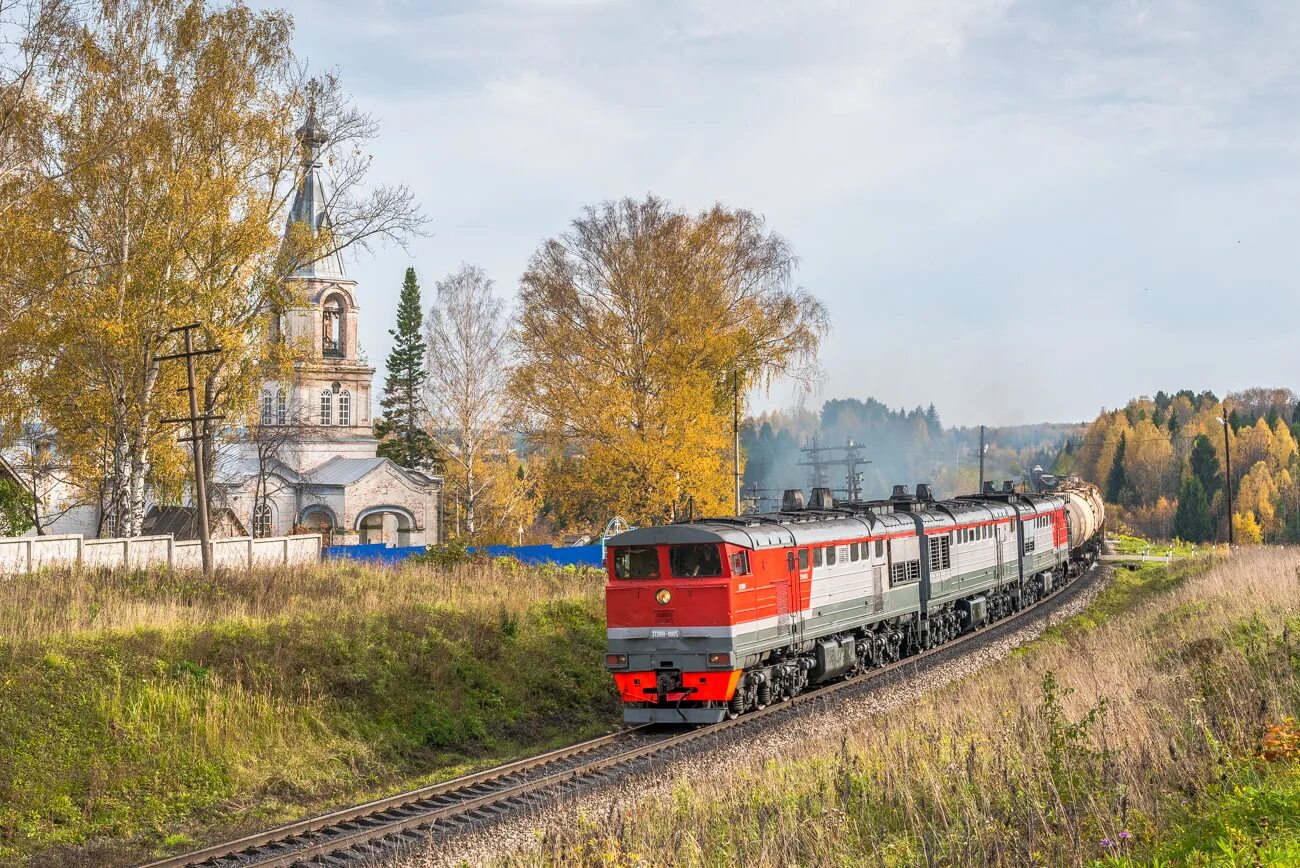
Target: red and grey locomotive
{"x": 708, "y": 619}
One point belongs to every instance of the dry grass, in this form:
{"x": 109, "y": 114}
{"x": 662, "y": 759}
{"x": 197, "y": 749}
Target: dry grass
{"x": 74, "y": 601}
{"x": 1090, "y": 746}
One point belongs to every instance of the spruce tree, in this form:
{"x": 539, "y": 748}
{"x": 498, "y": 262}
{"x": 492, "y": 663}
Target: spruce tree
{"x": 1204, "y": 464}
{"x": 1192, "y": 521}
{"x": 1116, "y": 481}
{"x": 401, "y": 425}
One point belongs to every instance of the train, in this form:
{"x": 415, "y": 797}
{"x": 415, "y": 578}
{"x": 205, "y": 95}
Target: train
{"x": 708, "y": 619}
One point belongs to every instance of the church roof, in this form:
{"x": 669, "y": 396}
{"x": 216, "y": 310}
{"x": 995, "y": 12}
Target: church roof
{"x": 311, "y": 199}
{"x": 340, "y": 470}
{"x": 344, "y": 471}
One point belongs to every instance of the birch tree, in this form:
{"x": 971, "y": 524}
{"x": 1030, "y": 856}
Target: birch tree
{"x": 471, "y": 414}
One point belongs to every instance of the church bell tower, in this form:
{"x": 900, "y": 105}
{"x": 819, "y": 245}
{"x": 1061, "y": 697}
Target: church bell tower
{"x": 329, "y": 397}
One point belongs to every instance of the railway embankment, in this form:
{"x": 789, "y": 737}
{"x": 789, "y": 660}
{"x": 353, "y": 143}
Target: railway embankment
{"x": 148, "y": 712}
{"x": 1157, "y": 723}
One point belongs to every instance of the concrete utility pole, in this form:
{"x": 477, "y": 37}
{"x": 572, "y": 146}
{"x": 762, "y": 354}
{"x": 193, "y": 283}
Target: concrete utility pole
{"x": 195, "y": 439}
{"x": 1227, "y": 477}
{"x": 980, "y": 490}
{"x": 735, "y": 432}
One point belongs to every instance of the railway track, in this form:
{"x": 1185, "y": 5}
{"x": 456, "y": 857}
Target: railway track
{"x": 375, "y": 829}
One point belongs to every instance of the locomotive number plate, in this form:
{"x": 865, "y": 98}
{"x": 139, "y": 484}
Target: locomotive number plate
{"x": 665, "y": 634}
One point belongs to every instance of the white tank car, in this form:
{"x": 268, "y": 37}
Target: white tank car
{"x": 1084, "y": 506}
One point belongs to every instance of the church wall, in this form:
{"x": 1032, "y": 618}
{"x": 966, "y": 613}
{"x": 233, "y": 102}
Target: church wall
{"x": 386, "y": 488}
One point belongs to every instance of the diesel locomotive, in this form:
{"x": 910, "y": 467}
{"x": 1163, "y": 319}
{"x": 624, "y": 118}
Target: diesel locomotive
{"x": 709, "y": 619}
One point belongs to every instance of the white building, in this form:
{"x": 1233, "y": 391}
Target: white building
{"x": 312, "y": 464}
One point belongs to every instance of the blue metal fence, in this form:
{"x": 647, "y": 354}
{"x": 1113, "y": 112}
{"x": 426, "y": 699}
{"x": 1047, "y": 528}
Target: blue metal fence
{"x": 377, "y": 552}
{"x": 590, "y": 556}
{"x": 584, "y": 556}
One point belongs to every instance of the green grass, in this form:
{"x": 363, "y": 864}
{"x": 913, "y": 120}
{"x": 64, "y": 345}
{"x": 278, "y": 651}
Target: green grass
{"x": 1251, "y": 818}
{"x": 118, "y": 743}
{"x": 1126, "y": 544}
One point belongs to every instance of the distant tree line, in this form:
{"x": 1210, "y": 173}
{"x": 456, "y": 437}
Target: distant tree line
{"x": 1162, "y": 463}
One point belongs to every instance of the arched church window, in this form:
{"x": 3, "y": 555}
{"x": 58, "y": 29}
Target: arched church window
{"x": 266, "y": 406}
{"x": 263, "y": 519}
{"x": 281, "y": 407}
{"x": 326, "y": 406}
{"x": 345, "y": 407}
{"x": 332, "y": 327}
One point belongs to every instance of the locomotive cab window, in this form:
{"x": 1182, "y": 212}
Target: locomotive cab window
{"x": 789, "y": 561}
{"x": 636, "y": 562}
{"x": 692, "y": 560}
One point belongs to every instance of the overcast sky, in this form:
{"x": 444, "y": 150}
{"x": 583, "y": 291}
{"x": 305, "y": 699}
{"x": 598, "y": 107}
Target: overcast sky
{"x": 1020, "y": 211}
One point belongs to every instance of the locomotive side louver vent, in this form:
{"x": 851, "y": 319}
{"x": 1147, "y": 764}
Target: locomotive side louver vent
{"x": 822, "y": 499}
{"x": 792, "y": 499}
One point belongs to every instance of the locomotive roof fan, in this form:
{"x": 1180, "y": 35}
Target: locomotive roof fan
{"x": 923, "y": 491}
{"x": 822, "y": 499}
{"x": 792, "y": 500}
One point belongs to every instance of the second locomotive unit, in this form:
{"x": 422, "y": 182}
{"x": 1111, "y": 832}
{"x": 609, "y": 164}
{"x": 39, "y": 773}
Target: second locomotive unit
{"x": 709, "y": 619}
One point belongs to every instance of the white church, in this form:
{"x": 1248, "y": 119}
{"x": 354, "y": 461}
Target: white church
{"x": 312, "y": 464}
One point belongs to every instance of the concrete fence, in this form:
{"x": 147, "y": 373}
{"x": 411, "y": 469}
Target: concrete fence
{"x": 25, "y": 554}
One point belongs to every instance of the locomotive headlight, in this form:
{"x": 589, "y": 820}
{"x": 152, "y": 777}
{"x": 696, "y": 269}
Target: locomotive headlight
{"x": 615, "y": 661}
{"x": 663, "y": 596}
{"x": 720, "y": 658}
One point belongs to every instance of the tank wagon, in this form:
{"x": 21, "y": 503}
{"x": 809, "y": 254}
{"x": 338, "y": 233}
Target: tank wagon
{"x": 708, "y": 619}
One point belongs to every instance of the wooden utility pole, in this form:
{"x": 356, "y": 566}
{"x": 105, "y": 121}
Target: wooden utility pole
{"x": 1227, "y": 478}
{"x": 195, "y": 439}
{"x": 980, "y": 490}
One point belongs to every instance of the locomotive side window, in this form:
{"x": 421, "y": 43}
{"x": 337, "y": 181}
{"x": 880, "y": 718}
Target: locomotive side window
{"x": 830, "y": 556}
{"x": 803, "y": 559}
{"x": 636, "y": 562}
{"x": 740, "y": 563}
{"x": 789, "y": 561}
{"x": 880, "y": 548}
{"x": 817, "y": 557}
{"x": 853, "y": 551}
{"x": 694, "y": 559}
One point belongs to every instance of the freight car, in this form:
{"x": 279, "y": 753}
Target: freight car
{"x": 708, "y": 619}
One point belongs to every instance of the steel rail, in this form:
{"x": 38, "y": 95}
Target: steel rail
{"x": 401, "y": 800}
{"x": 360, "y": 825}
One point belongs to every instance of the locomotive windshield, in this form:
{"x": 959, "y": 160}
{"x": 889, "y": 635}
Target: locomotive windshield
{"x": 695, "y": 559}
{"x": 636, "y": 562}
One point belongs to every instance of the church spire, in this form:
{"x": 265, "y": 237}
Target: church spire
{"x": 311, "y": 201}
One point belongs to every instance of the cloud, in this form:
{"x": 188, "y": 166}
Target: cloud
{"x": 953, "y": 175}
